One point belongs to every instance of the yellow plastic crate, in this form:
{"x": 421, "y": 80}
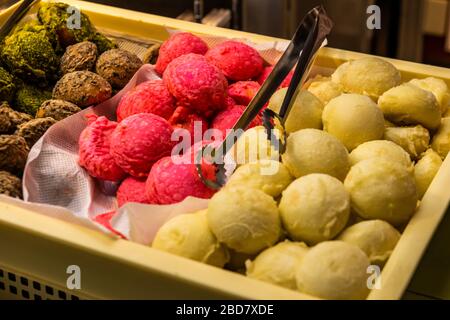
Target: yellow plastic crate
{"x": 36, "y": 250}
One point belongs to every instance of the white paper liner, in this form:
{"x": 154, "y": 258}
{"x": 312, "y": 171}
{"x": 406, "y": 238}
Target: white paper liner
{"x": 55, "y": 212}
{"x": 55, "y": 185}
{"x": 140, "y": 222}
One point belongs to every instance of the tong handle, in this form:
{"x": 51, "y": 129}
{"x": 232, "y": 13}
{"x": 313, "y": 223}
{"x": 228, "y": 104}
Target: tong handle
{"x": 275, "y": 78}
{"x": 301, "y": 49}
{"x": 303, "y": 64}
{"x": 14, "y": 19}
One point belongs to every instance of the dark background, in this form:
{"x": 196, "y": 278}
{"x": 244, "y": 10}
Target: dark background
{"x": 401, "y": 36}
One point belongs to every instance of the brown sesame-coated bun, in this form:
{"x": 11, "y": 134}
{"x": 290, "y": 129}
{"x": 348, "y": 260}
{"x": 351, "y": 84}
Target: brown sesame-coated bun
{"x": 78, "y": 57}
{"x": 32, "y": 130}
{"x": 117, "y": 66}
{"x": 13, "y": 153}
{"x": 10, "y": 185}
{"x": 57, "y": 109}
{"x": 83, "y": 88}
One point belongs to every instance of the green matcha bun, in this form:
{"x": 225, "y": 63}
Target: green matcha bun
{"x": 30, "y": 56}
{"x": 7, "y": 86}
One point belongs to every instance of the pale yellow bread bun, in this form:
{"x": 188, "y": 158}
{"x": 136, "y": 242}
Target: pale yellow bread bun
{"x": 306, "y": 111}
{"x": 334, "y": 270}
{"x": 244, "y": 219}
{"x": 325, "y": 89}
{"x": 314, "y": 208}
{"x": 369, "y": 76}
{"x": 315, "y": 151}
{"x": 408, "y": 104}
{"x": 189, "y": 236}
{"x": 252, "y": 146}
{"x": 278, "y": 264}
{"x": 441, "y": 140}
{"x": 425, "y": 170}
{"x": 436, "y": 86}
{"x": 269, "y": 176}
{"x": 381, "y": 149}
{"x": 382, "y": 189}
{"x": 413, "y": 140}
{"x": 353, "y": 119}
{"x": 376, "y": 238}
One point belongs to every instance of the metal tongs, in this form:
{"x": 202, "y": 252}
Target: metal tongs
{"x": 14, "y": 19}
{"x": 308, "y": 38}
